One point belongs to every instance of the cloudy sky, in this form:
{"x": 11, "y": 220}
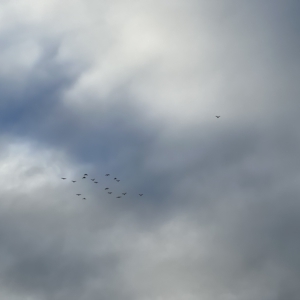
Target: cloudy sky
{"x": 132, "y": 88}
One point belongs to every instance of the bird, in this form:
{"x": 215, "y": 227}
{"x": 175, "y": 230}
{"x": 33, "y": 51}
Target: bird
{"x": 93, "y": 179}
{"x": 109, "y": 192}
{"x": 118, "y": 197}
{"x": 141, "y": 194}
{"x": 83, "y": 198}
{"x": 115, "y": 178}
{"x": 218, "y": 116}
{"x": 78, "y": 194}
{"x": 107, "y": 174}
{"x": 73, "y": 180}
{"x": 106, "y": 188}
{"x": 63, "y": 178}
{"x": 85, "y": 174}
{"x": 83, "y": 177}
{"x": 124, "y": 194}
{"x": 118, "y": 180}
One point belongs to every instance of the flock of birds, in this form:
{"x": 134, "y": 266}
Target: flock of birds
{"x": 93, "y": 179}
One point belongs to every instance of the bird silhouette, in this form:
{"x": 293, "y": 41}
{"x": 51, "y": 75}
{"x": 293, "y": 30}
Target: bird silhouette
{"x": 124, "y": 194}
{"x": 141, "y": 194}
{"x": 106, "y": 188}
{"x": 118, "y": 197}
{"x": 218, "y": 116}
{"x": 78, "y": 194}
{"x": 95, "y": 181}
{"x": 83, "y": 177}
{"x": 85, "y": 174}
{"x": 118, "y": 180}
{"x": 83, "y": 198}
{"x": 109, "y": 192}
{"x": 73, "y": 180}
{"x": 107, "y": 174}
{"x": 63, "y": 178}
{"x": 115, "y": 178}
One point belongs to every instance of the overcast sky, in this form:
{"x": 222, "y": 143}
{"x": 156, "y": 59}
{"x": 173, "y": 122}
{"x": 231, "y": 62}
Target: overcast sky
{"x": 132, "y": 88}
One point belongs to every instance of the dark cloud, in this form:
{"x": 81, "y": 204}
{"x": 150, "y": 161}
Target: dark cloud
{"x": 219, "y": 214}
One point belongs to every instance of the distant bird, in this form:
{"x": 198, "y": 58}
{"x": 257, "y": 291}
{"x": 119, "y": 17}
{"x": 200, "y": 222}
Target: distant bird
{"x": 78, "y": 194}
{"x": 218, "y": 116}
{"x": 63, "y": 178}
{"x": 118, "y": 180}
{"x": 93, "y": 179}
{"x": 85, "y": 174}
{"x": 106, "y": 188}
{"x": 109, "y": 192}
{"x": 115, "y": 178}
{"x": 73, "y": 180}
{"x": 124, "y": 194}
{"x": 107, "y": 174}
{"x": 83, "y": 198}
{"x": 119, "y": 197}
{"x": 141, "y": 194}
{"x": 83, "y": 177}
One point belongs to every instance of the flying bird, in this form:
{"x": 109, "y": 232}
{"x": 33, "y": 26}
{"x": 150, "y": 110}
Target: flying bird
{"x": 63, "y": 178}
{"x": 119, "y": 197}
{"x": 115, "y": 178}
{"x": 218, "y": 116}
{"x": 93, "y": 179}
{"x": 106, "y": 188}
{"x": 118, "y": 180}
{"x": 124, "y": 194}
{"x": 85, "y": 174}
{"x": 83, "y": 177}
{"x": 78, "y": 194}
{"x": 73, "y": 180}
{"x": 83, "y": 198}
{"x": 107, "y": 174}
{"x": 109, "y": 192}
{"x": 141, "y": 194}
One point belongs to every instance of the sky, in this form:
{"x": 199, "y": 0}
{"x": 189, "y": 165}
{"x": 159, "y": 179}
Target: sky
{"x": 133, "y": 88}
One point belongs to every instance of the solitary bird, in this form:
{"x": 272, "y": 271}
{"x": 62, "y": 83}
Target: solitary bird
{"x": 63, "y": 178}
{"x": 83, "y": 198}
{"x": 109, "y": 192}
{"x": 78, "y": 194}
{"x": 95, "y": 181}
{"x": 124, "y": 194}
{"x": 73, "y": 180}
{"x": 119, "y": 197}
{"x": 218, "y": 116}
{"x": 106, "y": 188}
{"x": 85, "y": 174}
{"x": 118, "y": 180}
{"x": 107, "y": 174}
{"x": 141, "y": 194}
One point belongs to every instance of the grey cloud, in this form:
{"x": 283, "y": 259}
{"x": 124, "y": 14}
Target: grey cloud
{"x": 219, "y": 215}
